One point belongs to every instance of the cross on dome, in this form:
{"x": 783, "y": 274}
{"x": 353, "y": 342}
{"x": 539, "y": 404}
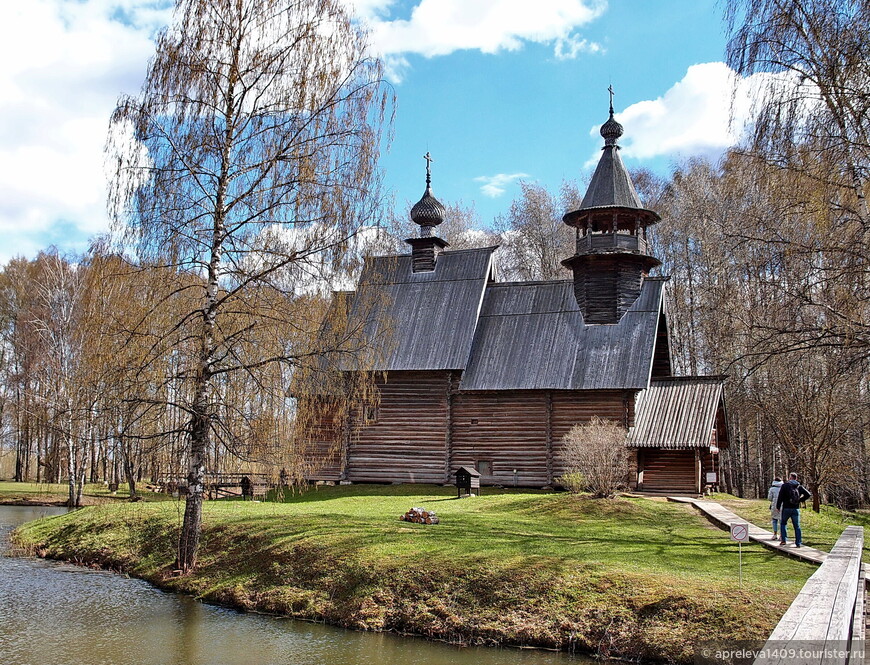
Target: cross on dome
{"x": 428, "y": 211}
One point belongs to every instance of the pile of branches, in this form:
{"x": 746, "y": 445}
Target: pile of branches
{"x": 420, "y": 516}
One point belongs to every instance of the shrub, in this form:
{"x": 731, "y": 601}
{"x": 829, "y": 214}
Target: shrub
{"x": 574, "y": 481}
{"x": 596, "y": 459}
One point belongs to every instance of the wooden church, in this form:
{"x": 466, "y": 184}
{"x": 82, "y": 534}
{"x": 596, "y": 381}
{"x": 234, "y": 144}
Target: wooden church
{"x": 491, "y": 375}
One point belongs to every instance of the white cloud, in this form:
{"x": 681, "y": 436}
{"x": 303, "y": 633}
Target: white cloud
{"x": 496, "y": 185}
{"x": 395, "y": 67}
{"x": 440, "y": 27}
{"x": 570, "y": 47}
{"x": 369, "y": 9}
{"x": 62, "y": 66}
{"x": 694, "y": 117}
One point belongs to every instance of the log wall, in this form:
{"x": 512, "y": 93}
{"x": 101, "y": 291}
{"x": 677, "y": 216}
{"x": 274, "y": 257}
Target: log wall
{"x": 323, "y": 451}
{"x": 425, "y": 429}
{"x": 408, "y": 441}
{"x": 708, "y": 465}
{"x": 523, "y": 430}
{"x": 607, "y": 285}
{"x": 577, "y": 407}
{"x": 506, "y": 430}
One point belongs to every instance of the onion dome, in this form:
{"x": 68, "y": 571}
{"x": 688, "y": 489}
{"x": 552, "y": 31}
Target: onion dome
{"x": 611, "y": 130}
{"x": 428, "y": 211}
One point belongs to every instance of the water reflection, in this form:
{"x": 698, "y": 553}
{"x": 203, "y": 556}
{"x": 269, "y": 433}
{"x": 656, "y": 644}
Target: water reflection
{"x": 61, "y": 614}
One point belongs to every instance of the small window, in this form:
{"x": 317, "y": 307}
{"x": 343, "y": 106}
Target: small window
{"x": 371, "y": 414}
{"x": 484, "y": 467}
{"x": 474, "y": 421}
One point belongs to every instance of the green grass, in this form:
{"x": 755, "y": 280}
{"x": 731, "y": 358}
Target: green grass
{"x": 13, "y": 489}
{"x": 820, "y": 530}
{"x": 629, "y": 577}
{"x": 58, "y": 493}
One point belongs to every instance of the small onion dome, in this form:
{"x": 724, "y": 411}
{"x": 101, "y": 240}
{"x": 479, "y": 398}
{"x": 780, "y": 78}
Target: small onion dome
{"x": 611, "y": 130}
{"x": 428, "y": 211}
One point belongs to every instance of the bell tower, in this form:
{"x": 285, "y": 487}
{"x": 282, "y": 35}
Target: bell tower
{"x": 611, "y": 256}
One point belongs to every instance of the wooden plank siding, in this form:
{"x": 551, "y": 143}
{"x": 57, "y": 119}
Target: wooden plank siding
{"x": 662, "y": 353}
{"x": 407, "y": 442}
{"x": 668, "y": 470}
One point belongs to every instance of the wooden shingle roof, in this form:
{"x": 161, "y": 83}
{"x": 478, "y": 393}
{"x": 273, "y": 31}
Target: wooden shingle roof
{"x": 677, "y": 412}
{"x": 503, "y": 336}
{"x": 531, "y": 335}
{"x": 610, "y": 185}
{"x": 423, "y": 320}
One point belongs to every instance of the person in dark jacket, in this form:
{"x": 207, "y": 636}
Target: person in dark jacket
{"x": 791, "y": 495}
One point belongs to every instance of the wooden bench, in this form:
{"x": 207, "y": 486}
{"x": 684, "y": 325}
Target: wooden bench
{"x": 825, "y": 623}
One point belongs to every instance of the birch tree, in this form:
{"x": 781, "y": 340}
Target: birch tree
{"x": 812, "y": 122}
{"x": 534, "y": 238}
{"x": 247, "y": 161}
{"x": 57, "y": 320}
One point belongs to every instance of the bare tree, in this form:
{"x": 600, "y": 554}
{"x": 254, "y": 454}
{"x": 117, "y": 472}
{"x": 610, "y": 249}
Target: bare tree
{"x": 812, "y": 121}
{"x": 18, "y": 342}
{"x": 534, "y": 238}
{"x": 816, "y": 55}
{"x": 746, "y": 300}
{"x": 814, "y": 414}
{"x": 58, "y": 321}
{"x": 596, "y": 458}
{"x": 248, "y": 161}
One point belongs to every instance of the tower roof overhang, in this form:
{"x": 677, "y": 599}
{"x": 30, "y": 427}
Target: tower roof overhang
{"x": 581, "y": 217}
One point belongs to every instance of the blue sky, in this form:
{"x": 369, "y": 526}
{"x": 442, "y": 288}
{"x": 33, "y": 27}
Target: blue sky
{"x": 496, "y": 90}
{"x": 525, "y": 111}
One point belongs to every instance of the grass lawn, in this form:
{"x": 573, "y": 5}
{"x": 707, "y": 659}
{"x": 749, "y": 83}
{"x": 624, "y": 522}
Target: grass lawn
{"x": 629, "y": 577}
{"x": 820, "y": 530}
{"x": 58, "y": 493}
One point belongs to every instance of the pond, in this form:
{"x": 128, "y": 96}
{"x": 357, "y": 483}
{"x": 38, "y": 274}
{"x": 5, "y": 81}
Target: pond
{"x": 52, "y": 612}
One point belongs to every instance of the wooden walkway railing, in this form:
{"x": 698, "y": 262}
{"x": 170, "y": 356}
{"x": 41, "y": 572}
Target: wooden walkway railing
{"x": 825, "y": 623}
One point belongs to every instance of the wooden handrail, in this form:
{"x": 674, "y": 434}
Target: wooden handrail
{"x": 825, "y": 623}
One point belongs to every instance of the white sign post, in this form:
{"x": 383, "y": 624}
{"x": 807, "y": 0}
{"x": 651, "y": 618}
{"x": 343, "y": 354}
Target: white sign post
{"x": 740, "y": 533}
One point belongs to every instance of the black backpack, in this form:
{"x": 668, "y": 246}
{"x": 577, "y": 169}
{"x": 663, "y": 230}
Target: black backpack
{"x": 793, "y": 495}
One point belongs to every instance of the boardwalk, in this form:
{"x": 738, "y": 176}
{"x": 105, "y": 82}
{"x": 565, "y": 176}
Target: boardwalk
{"x": 825, "y": 623}
{"x": 828, "y": 612}
{"x": 724, "y": 518}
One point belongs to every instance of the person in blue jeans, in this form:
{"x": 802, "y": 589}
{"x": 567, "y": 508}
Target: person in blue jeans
{"x": 791, "y": 494}
{"x": 772, "y": 496}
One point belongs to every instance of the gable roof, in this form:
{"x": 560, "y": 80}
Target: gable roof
{"x": 531, "y": 335}
{"x": 423, "y": 320}
{"x": 677, "y": 412}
